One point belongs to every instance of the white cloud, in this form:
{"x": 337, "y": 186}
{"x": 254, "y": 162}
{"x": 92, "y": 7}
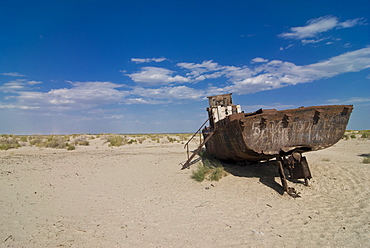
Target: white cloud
{"x": 12, "y": 74}
{"x": 287, "y": 47}
{"x": 205, "y": 70}
{"x": 312, "y": 41}
{"x": 153, "y": 76}
{"x": 80, "y": 95}
{"x": 347, "y": 62}
{"x": 147, "y": 60}
{"x": 18, "y": 85}
{"x": 351, "y": 23}
{"x": 205, "y": 66}
{"x": 34, "y": 82}
{"x": 356, "y": 101}
{"x": 169, "y": 93}
{"x": 14, "y": 106}
{"x": 116, "y": 117}
{"x": 259, "y": 60}
{"x": 276, "y": 74}
{"x": 319, "y": 25}
{"x": 313, "y": 27}
{"x": 146, "y": 100}
{"x": 13, "y": 86}
{"x": 265, "y": 75}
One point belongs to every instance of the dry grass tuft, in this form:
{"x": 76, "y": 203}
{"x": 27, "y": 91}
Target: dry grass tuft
{"x": 8, "y": 142}
{"x": 210, "y": 168}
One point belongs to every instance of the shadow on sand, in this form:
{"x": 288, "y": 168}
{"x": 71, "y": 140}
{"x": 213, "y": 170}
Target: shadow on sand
{"x": 265, "y": 171}
{"x": 365, "y": 155}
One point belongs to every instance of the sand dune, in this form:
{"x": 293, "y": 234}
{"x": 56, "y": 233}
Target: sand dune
{"x": 137, "y": 196}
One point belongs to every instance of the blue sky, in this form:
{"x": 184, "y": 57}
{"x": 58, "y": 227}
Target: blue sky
{"x": 147, "y": 66}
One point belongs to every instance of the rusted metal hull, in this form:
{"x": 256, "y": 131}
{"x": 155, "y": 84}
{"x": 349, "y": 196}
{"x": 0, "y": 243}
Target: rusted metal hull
{"x": 270, "y": 133}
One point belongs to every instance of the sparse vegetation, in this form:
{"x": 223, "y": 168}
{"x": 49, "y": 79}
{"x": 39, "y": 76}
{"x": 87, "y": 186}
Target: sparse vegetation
{"x": 326, "y": 160}
{"x": 365, "y": 134}
{"x": 170, "y": 139}
{"x": 217, "y": 173}
{"x": 210, "y": 169}
{"x": 70, "y": 147}
{"x": 200, "y": 173}
{"x": 82, "y": 143}
{"x": 56, "y": 142}
{"x": 354, "y": 134}
{"x": 131, "y": 141}
{"x": 8, "y": 142}
{"x": 81, "y": 140}
{"x": 366, "y": 159}
{"x": 184, "y": 136}
{"x": 141, "y": 139}
{"x": 35, "y": 141}
{"x": 116, "y": 140}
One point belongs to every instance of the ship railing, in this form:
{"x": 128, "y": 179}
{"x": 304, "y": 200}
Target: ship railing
{"x": 192, "y": 137}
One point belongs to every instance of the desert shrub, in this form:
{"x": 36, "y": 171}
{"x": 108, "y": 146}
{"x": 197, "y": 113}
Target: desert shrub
{"x": 200, "y": 173}
{"x": 116, "y": 140}
{"x": 208, "y": 160}
{"x": 154, "y": 138}
{"x": 353, "y": 136}
{"x": 210, "y": 173}
{"x": 82, "y": 143}
{"x": 365, "y": 134}
{"x": 131, "y": 141}
{"x": 217, "y": 173}
{"x": 366, "y": 159}
{"x": 55, "y": 142}
{"x": 7, "y": 135}
{"x": 141, "y": 139}
{"x": 170, "y": 139}
{"x": 183, "y": 136}
{"x": 210, "y": 169}
{"x": 8, "y": 141}
{"x": 35, "y": 141}
{"x": 70, "y": 147}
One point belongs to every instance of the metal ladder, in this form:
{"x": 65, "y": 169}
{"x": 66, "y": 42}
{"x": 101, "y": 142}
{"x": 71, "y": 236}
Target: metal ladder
{"x": 187, "y": 163}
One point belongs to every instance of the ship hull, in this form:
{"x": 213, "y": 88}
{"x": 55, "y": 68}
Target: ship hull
{"x": 270, "y": 133}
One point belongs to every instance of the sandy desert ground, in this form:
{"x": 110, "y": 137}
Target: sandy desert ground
{"x": 137, "y": 196}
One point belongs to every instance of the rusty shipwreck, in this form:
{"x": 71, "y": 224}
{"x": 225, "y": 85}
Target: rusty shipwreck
{"x": 271, "y": 134}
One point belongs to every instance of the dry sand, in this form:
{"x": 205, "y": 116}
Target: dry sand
{"x": 137, "y": 196}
